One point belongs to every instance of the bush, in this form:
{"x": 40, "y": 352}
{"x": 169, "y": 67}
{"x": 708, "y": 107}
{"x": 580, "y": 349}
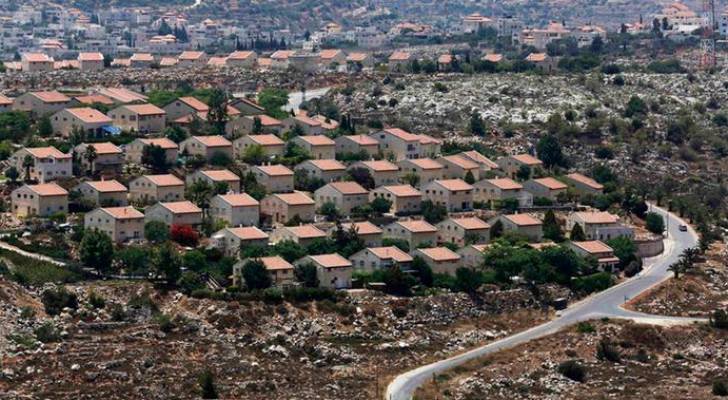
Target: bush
{"x": 719, "y": 319}
{"x": 573, "y": 370}
{"x": 720, "y": 388}
{"x": 272, "y": 296}
{"x": 607, "y": 351}
{"x": 165, "y": 323}
{"x": 55, "y": 300}
{"x": 585, "y": 327}
{"x": 117, "y": 313}
{"x": 184, "y": 235}
{"x": 655, "y": 223}
{"x": 304, "y": 294}
{"x": 96, "y": 301}
{"x": 29, "y": 271}
{"x": 47, "y": 333}
{"x": 593, "y": 283}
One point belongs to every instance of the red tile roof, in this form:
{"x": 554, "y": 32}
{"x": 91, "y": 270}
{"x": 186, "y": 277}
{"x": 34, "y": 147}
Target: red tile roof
{"x": 182, "y": 207}
{"x": 107, "y": 186}
{"x": 239, "y": 200}
{"x": 165, "y": 180}
{"x": 123, "y": 212}
{"x": 48, "y": 189}
{"x": 348, "y": 188}
{"x": 391, "y": 253}
{"x": 89, "y": 115}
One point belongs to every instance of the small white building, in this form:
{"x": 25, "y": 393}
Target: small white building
{"x": 120, "y": 223}
{"x": 235, "y": 209}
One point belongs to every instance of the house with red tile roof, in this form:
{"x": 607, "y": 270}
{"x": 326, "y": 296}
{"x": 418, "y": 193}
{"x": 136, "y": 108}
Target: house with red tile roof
{"x": 328, "y": 170}
{"x": 603, "y": 253}
{"x": 142, "y": 118}
{"x": 332, "y": 270}
{"x": 547, "y": 187}
{"x": 511, "y": 164}
{"x": 134, "y": 151}
{"x": 246, "y": 125}
{"x": 282, "y": 207}
{"x": 216, "y": 178}
{"x": 369, "y": 233}
{"x": 598, "y": 225}
{"x": 174, "y": 213}
{"x": 184, "y": 106}
{"x": 524, "y": 224}
{"x": 308, "y": 125}
{"x": 41, "y": 103}
{"x": 109, "y": 157}
{"x": 332, "y": 58}
{"x": 36, "y": 62}
{"x": 90, "y": 100}
{"x": 247, "y": 106}
{"x": 346, "y": 196}
{"x": 109, "y": 193}
{"x": 457, "y": 167}
{"x": 93, "y": 61}
{"x": 356, "y": 144}
{"x": 399, "y": 61}
{"x": 405, "y": 199}
{"x": 383, "y": 172}
{"x": 359, "y": 61}
{"x": 42, "y": 200}
{"x": 415, "y": 232}
{"x": 485, "y": 163}
{"x": 495, "y": 191}
{"x": 241, "y": 59}
{"x": 275, "y": 178}
{"x": 48, "y": 163}
{"x": 192, "y": 59}
{"x": 453, "y": 194}
{"x": 121, "y": 95}
{"x": 378, "y": 258}
{"x": 152, "y": 188}
{"x": 281, "y": 271}
{"x": 231, "y": 240}
{"x": 236, "y": 209}
{"x": 471, "y": 256}
{"x": 462, "y": 231}
{"x": 319, "y": 147}
{"x": 120, "y": 223}
{"x": 440, "y": 259}
{"x": 401, "y": 144}
{"x": 304, "y": 235}
{"x": 583, "y": 184}
{"x": 207, "y": 146}
{"x": 426, "y": 169}
{"x": 271, "y": 145}
{"x": 83, "y": 119}
{"x": 6, "y": 103}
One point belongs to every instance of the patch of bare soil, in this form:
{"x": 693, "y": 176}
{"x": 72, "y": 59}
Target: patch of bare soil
{"x": 321, "y": 350}
{"x": 697, "y": 293}
{"x": 650, "y": 363}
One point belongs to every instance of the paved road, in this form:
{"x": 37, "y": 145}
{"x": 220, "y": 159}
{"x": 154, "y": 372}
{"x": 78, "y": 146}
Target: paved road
{"x": 605, "y": 304}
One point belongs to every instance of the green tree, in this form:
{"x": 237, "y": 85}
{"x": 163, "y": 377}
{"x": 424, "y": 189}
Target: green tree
{"x": 28, "y": 163}
{"x": 166, "y": 263}
{"x": 306, "y": 274}
{"x": 97, "y": 251}
{"x": 469, "y": 177}
{"x": 12, "y": 174}
{"x": 45, "y": 129}
{"x": 655, "y": 223}
{"x": 380, "y": 205}
{"x": 156, "y": 231}
{"x": 254, "y": 155}
{"x": 255, "y": 274}
{"x": 90, "y": 155}
{"x": 189, "y": 281}
{"x": 523, "y": 173}
{"x": 624, "y": 249}
{"x": 477, "y": 126}
{"x": 217, "y": 116}
{"x": 273, "y": 99}
{"x": 257, "y": 126}
{"x": 200, "y": 192}
{"x": 329, "y": 210}
{"x": 549, "y": 152}
{"x": 175, "y": 134}
{"x": 496, "y": 230}
{"x": 635, "y": 106}
{"x": 551, "y": 228}
{"x": 433, "y": 213}
{"x": 577, "y": 234}
{"x": 424, "y": 272}
{"x": 155, "y": 157}
{"x": 289, "y": 250}
{"x": 207, "y": 385}
{"x": 411, "y": 179}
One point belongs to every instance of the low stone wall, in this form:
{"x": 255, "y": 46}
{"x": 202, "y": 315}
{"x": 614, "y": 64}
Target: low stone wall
{"x": 650, "y": 247}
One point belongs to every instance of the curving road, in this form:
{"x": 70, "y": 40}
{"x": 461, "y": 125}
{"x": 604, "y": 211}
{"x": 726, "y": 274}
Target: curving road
{"x": 604, "y": 304}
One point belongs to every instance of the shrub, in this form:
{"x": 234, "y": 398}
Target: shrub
{"x": 585, "y": 327}
{"x": 399, "y": 311}
{"x": 184, "y": 235}
{"x": 207, "y": 385}
{"x": 27, "y": 312}
{"x": 117, "y": 313}
{"x": 96, "y": 301}
{"x": 720, "y": 388}
{"x": 573, "y": 370}
{"x": 47, "y": 333}
{"x": 165, "y": 323}
{"x": 655, "y": 223}
{"x": 719, "y": 319}
{"x": 55, "y": 300}
{"x": 272, "y": 295}
{"x": 607, "y": 351}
